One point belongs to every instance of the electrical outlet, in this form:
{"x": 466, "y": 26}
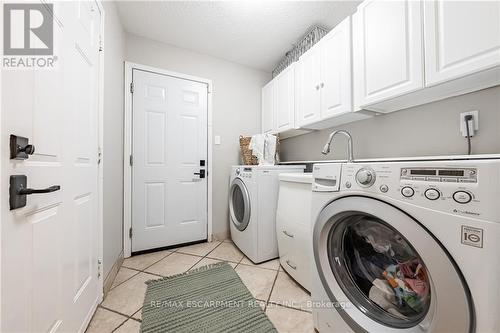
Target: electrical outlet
{"x": 475, "y": 120}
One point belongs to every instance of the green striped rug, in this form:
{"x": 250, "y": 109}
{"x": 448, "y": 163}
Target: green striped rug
{"x": 208, "y": 299}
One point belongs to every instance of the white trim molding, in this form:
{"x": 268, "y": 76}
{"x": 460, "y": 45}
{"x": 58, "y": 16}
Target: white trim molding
{"x": 127, "y": 149}
{"x": 100, "y": 163}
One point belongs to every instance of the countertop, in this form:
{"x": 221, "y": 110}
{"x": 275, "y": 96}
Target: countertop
{"x": 410, "y": 158}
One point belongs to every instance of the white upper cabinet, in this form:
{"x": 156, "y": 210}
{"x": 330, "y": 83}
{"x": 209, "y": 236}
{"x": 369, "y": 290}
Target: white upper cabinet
{"x": 456, "y": 44}
{"x": 336, "y": 92}
{"x": 284, "y": 99}
{"x": 308, "y": 85}
{"x": 461, "y": 38}
{"x": 324, "y": 75}
{"x": 388, "y": 49}
{"x": 268, "y": 115}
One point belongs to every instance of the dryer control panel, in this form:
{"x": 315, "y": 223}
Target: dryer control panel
{"x": 243, "y": 172}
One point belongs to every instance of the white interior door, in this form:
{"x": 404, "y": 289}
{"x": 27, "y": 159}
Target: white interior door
{"x": 49, "y": 252}
{"x": 169, "y": 134}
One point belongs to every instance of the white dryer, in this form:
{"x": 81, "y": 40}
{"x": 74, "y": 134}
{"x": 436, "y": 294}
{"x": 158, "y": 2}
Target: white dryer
{"x": 407, "y": 246}
{"x": 253, "y": 196}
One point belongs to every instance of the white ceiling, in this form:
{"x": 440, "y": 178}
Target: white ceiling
{"x": 249, "y": 32}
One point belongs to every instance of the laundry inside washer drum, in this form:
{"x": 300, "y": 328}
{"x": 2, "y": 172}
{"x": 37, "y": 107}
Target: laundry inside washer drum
{"x": 382, "y": 272}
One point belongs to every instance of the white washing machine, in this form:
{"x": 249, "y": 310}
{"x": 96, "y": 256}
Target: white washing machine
{"x": 407, "y": 246}
{"x": 253, "y": 196}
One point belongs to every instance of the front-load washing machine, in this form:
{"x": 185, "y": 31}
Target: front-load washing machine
{"x": 253, "y": 196}
{"x": 407, "y": 246}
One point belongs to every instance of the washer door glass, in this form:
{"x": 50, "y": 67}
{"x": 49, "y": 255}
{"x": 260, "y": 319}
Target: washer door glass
{"x": 382, "y": 272}
{"x": 239, "y": 204}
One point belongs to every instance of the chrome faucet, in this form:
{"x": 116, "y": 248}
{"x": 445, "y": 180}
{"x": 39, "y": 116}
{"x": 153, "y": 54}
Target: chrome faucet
{"x": 326, "y": 148}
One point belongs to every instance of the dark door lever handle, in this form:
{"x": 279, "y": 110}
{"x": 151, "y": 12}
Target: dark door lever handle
{"x": 28, "y": 191}
{"x": 18, "y": 191}
{"x": 201, "y": 173}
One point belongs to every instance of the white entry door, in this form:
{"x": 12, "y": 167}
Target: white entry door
{"x": 49, "y": 254}
{"x": 169, "y": 149}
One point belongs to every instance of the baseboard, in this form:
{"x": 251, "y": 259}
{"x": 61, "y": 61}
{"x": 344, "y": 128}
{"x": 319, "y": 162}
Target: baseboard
{"x": 220, "y": 236}
{"x": 108, "y": 281}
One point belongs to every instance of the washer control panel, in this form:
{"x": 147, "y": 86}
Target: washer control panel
{"x": 412, "y": 178}
{"x": 446, "y": 175}
{"x": 467, "y": 188}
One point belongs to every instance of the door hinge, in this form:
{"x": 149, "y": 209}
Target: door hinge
{"x": 100, "y": 44}
{"x": 99, "y": 267}
{"x": 130, "y": 233}
{"x": 99, "y": 155}
{"x": 131, "y": 87}
{"x": 131, "y": 160}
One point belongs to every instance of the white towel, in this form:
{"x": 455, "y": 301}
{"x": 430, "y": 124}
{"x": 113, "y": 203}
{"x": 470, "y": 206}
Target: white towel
{"x": 263, "y": 146}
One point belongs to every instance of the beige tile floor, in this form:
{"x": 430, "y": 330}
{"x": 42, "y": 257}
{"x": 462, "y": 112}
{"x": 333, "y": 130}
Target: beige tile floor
{"x": 283, "y": 300}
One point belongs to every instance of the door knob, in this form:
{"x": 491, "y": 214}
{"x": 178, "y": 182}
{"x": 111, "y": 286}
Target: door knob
{"x": 19, "y": 147}
{"x": 18, "y": 191}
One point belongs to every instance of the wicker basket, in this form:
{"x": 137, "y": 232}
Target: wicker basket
{"x": 247, "y": 157}
{"x": 306, "y": 42}
{"x": 246, "y": 153}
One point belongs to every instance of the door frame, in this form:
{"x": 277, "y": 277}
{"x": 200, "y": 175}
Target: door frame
{"x": 100, "y": 152}
{"x": 127, "y": 148}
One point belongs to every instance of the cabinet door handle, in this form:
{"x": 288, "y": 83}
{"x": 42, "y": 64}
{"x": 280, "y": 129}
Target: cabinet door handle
{"x": 322, "y": 84}
{"x": 291, "y": 266}
{"x": 287, "y": 234}
{"x": 317, "y": 87}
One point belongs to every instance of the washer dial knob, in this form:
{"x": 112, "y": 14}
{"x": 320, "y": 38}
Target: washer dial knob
{"x": 365, "y": 177}
{"x": 462, "y": 197}
{"x": 407, "y": 192}
{"x": 432, "y": 194}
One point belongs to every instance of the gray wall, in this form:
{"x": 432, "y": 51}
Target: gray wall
{"x": 236, "y": 107}
{"x": 426, "y": 130}
{"x": 114, "y": 52}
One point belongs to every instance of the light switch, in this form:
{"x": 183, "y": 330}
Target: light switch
{"x": 217, "y": 139}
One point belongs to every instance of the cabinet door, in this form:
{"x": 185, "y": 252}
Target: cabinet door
{"x": 335, "y": 86}
{"x": 461, "y": 38}
{"x": 388, "y": 48}
{"x": 284, "y": 97}
{"x": 268, "y": 108}
{"x": 308, "y": 70}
